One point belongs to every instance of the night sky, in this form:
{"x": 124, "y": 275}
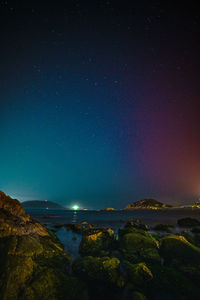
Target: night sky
{"x": 99, "y": 102}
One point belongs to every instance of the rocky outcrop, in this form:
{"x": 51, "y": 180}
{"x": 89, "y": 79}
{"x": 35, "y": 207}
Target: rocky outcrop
{"x": 147, "y": 204}
{"x": 13, "y": 207}
{"x": 175, "y": 247}
{"x": 103, "y": 270}
{"x": 138, "y": 274}
{"x": 108, "y": 209}
{"x": 33, "y": 265}
{"x": 97, "y": 243}
{"x": 14, "y": 219}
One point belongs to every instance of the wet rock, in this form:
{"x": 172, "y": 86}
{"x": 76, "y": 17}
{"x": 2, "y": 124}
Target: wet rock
{"x": 136, "y": 224}
{"x": 170, "y": 283}
{"x": 188, "y": 222}
{"x": 14, "y": 220}
{"x": 175, "y": 247}
{"x": 13, "y": 207}
{"x": 138, "y": 247}
{"x": 137, "y": 241}
{"x": 98, "y": 270}
{"x": 138, "y": 274}
{"x": 99, "y": 243}
{"x": 130, "y": 229}
{"x": 33, "y": 263}
{"x": 163, "y": 227}
{"x": 138, "y": 296}
{"x": 82, "y": 228}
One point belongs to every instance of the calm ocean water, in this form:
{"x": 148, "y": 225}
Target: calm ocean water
{"x": 113, "y": 219}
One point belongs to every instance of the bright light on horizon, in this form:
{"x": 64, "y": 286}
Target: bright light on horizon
{"x": 75, "y": 207}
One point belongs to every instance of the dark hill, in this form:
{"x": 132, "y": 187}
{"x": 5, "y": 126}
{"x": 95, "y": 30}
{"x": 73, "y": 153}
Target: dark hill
{"x": 147, "y": 204}
{"x": 41, "y": 204}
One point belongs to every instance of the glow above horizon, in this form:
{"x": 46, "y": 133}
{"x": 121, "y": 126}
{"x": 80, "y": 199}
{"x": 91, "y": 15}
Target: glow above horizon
{"x": 75, "y": 207}
{"x": 102, "y": 111}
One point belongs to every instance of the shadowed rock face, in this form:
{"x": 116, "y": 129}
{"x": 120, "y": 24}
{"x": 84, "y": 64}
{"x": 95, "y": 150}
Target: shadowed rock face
{"x": 33, "y": 265}
{"x": 14, "y": 219}
{"x": 13, "y": 207}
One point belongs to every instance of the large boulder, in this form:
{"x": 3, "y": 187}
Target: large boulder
{"x": 176, "y": 247}
{"x": 14, "y": 220}
{"x": 13, "y": 207}
{"x": 138, "y": 274}
{"x": 136, "y": 242}
{"x": 99, "y": 270}
{"x": 98, "y": 243}
{"x": 138, "y": 246}
{"x": 169, "y": 283}
{"x": 33, "y": 265}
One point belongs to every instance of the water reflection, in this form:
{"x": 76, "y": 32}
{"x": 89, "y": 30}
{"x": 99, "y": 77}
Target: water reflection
{"x": 74, "y": 217}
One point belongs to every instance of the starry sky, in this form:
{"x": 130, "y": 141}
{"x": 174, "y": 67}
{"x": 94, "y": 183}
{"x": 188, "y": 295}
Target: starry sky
{"x": 99, "y": 101}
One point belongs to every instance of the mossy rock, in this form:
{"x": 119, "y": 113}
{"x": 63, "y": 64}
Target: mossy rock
{"x": 129, "y": 229}
{"x": 192, "y": 272}
{"x": 28, "y": 261}
{"x": 48, "y": 285}
{"x": 178, "y": 248}
{"x": 138, "y": 296}
{"x": 188, "y": 222}
{"x": 136, "y": 248}
{"x": 136, "y": 224}
{"x": 163, "y": 227}
{"x": 97, "y": 244}
{"x": 150, "y": 255}
{"x": 16, "y": 272}
{"x": 138, "y": 274}
{"x": 137, "y": 242}
{"x": 101, "y": 270}
{"x": 169, "y": 283}
{"x": 189, "y": 237}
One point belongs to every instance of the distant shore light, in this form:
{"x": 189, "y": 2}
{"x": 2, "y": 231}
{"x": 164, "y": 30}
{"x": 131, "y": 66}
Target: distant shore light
{"x": 75, "y": 207}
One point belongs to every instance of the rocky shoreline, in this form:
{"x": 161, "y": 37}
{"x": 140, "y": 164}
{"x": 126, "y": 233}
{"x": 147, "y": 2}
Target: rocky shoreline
{"x": 132, "y": 264}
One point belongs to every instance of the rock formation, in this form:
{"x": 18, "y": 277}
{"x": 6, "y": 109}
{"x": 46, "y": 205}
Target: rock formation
{"x": 147, "y": 204}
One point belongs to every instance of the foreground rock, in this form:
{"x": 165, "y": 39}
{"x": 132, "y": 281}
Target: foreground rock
{"x": 98, "y": 242}
{"x": 33, "y": 264}
{"x": 174, "y": 247}
{"x": 137, "y": 245}
{"x": 103, "y": 270}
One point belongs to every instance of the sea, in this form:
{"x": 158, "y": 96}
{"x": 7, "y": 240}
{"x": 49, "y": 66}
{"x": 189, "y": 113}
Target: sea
{"x": 109, "y": 219}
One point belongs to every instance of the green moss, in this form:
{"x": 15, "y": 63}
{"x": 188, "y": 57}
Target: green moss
{"x": 150, "y": 255}
{"x": 177, "y": 247}
{"x": 97, "y": 244}
{"x": 138, "y": 274}
{"x": 103, "y": 270}
{"x": 138, "y": 296}
{"x": 169, "y": 283}
{"x": 136, "y": 241}
{"x": 130, "y": 229}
